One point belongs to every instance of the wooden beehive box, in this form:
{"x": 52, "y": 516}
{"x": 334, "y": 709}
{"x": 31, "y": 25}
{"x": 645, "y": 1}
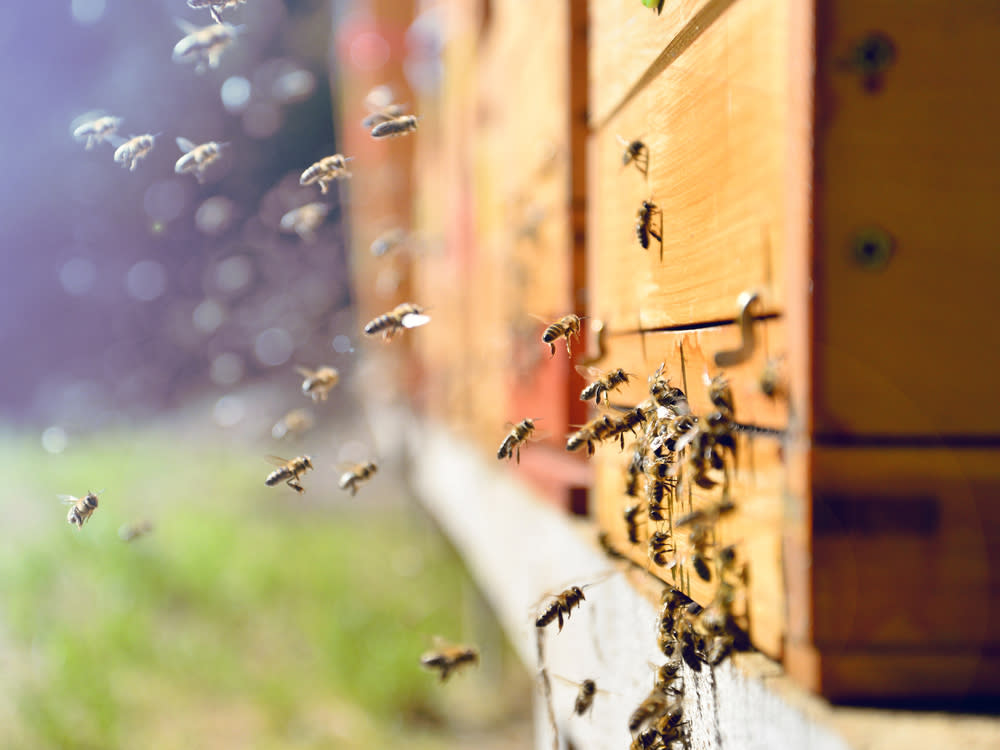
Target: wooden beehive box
{"x": 837, "y": 159}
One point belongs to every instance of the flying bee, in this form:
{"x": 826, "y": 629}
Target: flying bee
{"x": 644, "y": 224}
{"x": 289, "y": 471}
{"x": 215, "y": 7}
{"x": 594, "y": 431}
{"x": 395, "y": 127}
{"x": 386, "y": 241}
{"x": 560, "y": 606}
{"x": 356, "y": 474}
{"x": 632, "y": 522}
{"x": 587, "y": 691}
{"x": 603, "y": 384}
{"x": 565, "y": 327}
{"x": 97, "y": 130}
{"x": 197, "y": 158}
{"x": 405, "y": 315}
{"x": 635, "y": 152}
{"x": 659, "y": 547}
{"x": 132, "y": 531}
{"x": 652, "y": 706}
{"x": 293, "y": 423}
{"x": 135, "y": 148}
{"x": 627, "y": 423}
{"x": 325, "y": 171}
{"x": 83, "y": 508}
{"x": 511, "y": 445}
{"x": 305, "y": 220}
{"x": 204, "y": 46}
{"x": 447, "y": 658}
{"x": 382, "y": 107}
{"x": 317, "y": 384}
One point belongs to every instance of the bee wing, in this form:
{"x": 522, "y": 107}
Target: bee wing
{"x": 116, "y": 140}
{"x": 414, "y": 320}
{"x": 68, "y": 499}
{"x": 276, "y": 460}
{"x": 184, "y": 144}
{"x": 589, "y": 373}
{"x": 379, "y": 97}
{"x": 305, "y": 372}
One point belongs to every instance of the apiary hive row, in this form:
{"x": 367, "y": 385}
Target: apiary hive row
{"x": 797, "y": 196}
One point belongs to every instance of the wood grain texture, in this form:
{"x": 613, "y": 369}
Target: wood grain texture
{"x": 714, "y": 123}
{"x": 627, "y": 39}
{"x": 757, "y": 489}
{"x": 908, "y": 349}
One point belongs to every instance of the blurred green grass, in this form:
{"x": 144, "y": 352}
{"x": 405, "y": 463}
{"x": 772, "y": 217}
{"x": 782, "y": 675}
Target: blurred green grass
{"x": 250, "y": 617}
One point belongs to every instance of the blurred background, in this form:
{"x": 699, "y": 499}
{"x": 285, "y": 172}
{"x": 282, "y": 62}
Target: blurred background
{"x": 152, "y": 325}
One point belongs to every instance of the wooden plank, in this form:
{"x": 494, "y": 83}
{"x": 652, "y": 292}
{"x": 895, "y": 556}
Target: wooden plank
{"x": 758, "y": 480}
{"x": 917, "y": 158}
{"x": 626, "y": 40}
{"x": 715, "y": 126}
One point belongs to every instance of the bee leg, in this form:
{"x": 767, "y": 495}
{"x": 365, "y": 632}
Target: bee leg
{"x": 215, "y": 15}
{"x": 323, "y": 188}
{"x": 552, "y": 348}
{"x": 294, "y": 484}
{"x": 517, "y": 452}
{"x": 354, "y": 489}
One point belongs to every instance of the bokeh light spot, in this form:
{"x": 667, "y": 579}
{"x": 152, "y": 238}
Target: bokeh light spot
{"x": 146, "y": 280}
{"x": 214, "y": 215}
{"x": 208, "y": 316}
{"x": 226, "y": 369}
{"x": 294, "y": 86}
{"x": 273, "y": 346}
{"x": 233, "y": 273}
{"x": 78, "y": 275}
{"x": 342, "y": 343}
{"x": 369, "y": 51}
{"x": 54, "y": 439}
{"x": 87, "y": 12}
{"x": 164, "y": 200}
{"x": 235, "y": 93}
{"x": 229, "y": 411}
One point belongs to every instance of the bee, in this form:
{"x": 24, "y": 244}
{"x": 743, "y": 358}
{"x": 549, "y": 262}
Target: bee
{"x": 652, "y": 706}
{"x": 721, "y": 395}
{"x": 395, "y": 127}
{"x": 511, "y": 445}
{"x": 325, "y": 171}
{"x": 634, "y": 471}
{"x": 386, "y": 241}
{"x": 83, "y": 508}
{"x": 658, "y": 490}
{"x": 667, "y": 677}
{"x": 635, "y": 152}
{"x": 565, "y": 327}
{"x": 381, "y": 106}
{"x": 587, "y": 691}
{"x": 668, "y": 724}
{"x": 294, "y": 422}
{"x": 132, "y": 531}
{"x": 215, "y": 7}
{"x": 446, "y": 658}
{"x": 197, "y": 158}
{"x": 643, "y": 224}
{"x": 289, "y": 471}
{"x": 358, "y": 473}
{"x": 771, "y": 380}
{"x": 135, "y": 148}
{"x": 659, "y": 547}
{"x": 305, "y": 220}
{"x": 667, "y": 396}
{"x": 647, "y": 739}
{"x": 594, "y": 431}
{"x": 632, "y": 523}
{"x": 405, "y": 315}
{"x": 692, "y": 644}
{"x": 204, "y": 46}
{"x": 560, "y": 607}
{"x": 603, "y": 384}
{"x": 627, "y": 423}
{"x": 317, "y": 384}
{"x": 97, "y": 130}
{"x": 605, "y": 541}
